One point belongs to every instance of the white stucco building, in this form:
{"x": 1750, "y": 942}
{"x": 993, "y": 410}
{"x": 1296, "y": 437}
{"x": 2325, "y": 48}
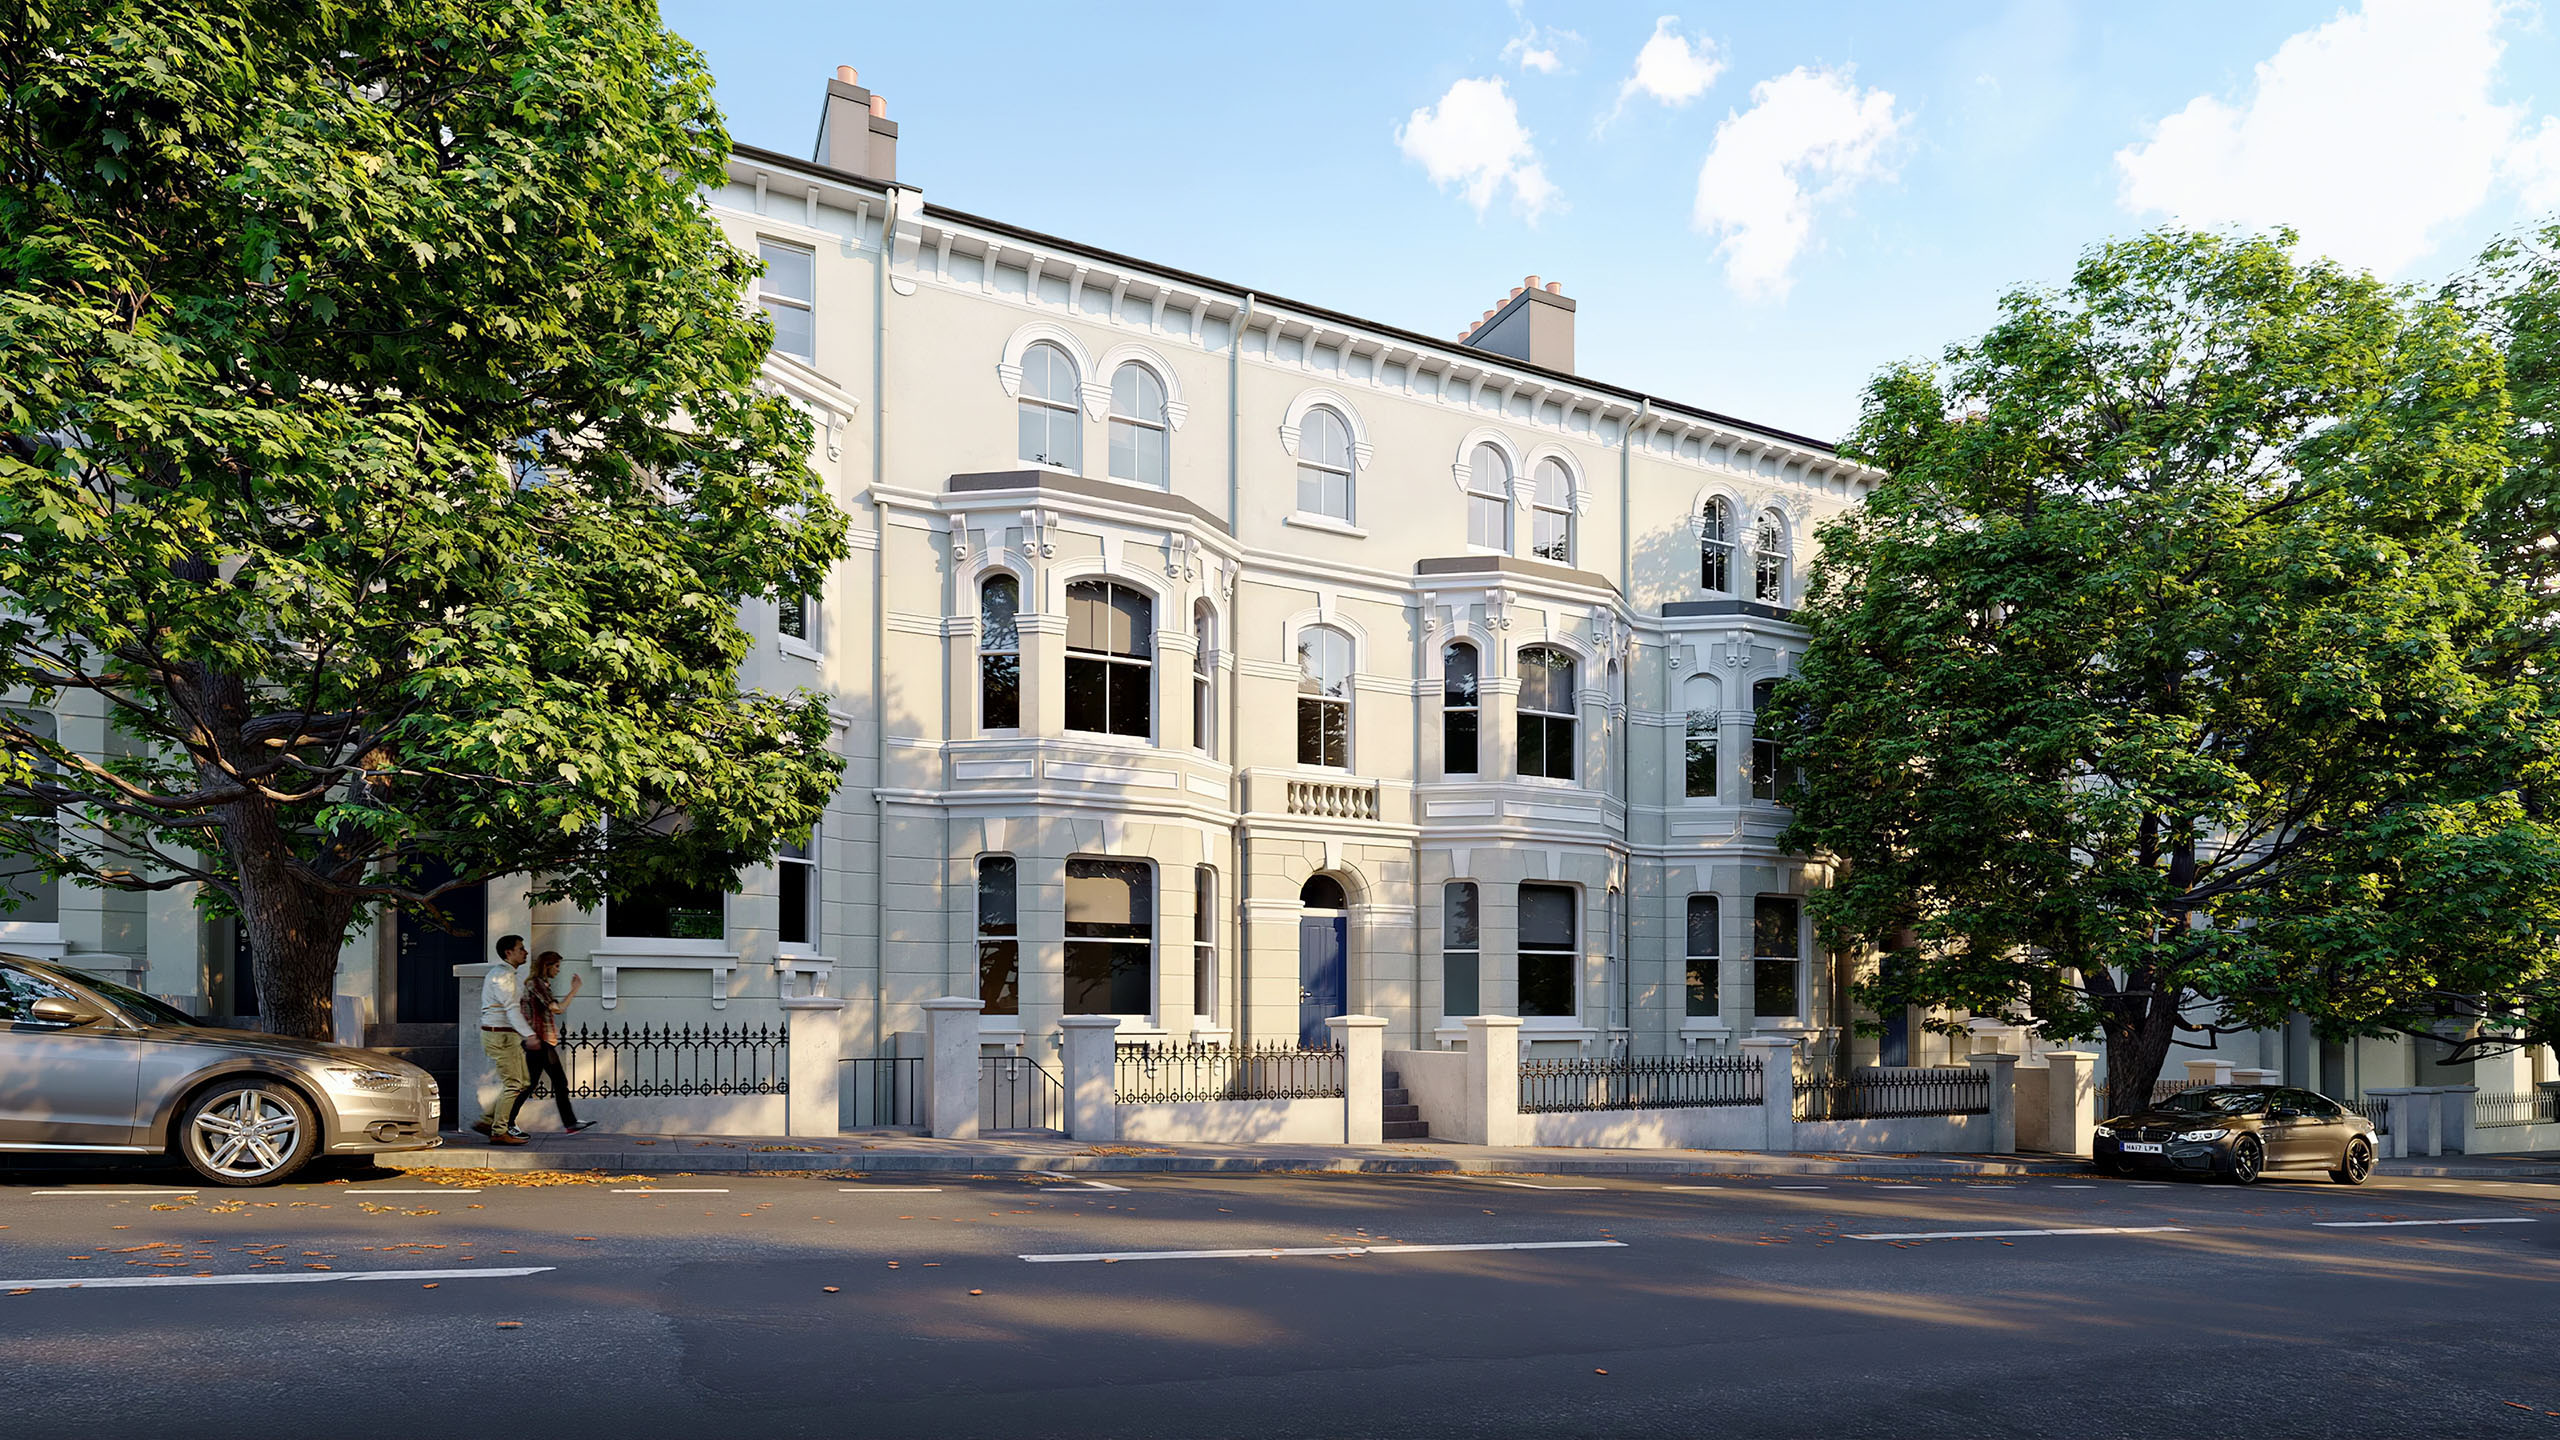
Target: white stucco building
{"x": 1215, "y": 660}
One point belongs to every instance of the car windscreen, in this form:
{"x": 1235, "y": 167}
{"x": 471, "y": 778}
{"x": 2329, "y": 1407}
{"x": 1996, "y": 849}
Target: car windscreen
{"x": 2216, "y": 1101}
{"x": 132, "y": 1002}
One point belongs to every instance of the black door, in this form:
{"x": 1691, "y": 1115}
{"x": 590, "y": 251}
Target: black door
{"x": 424, "y": 990}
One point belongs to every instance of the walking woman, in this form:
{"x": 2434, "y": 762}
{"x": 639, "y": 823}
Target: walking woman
{"x": 542, "y": 1010}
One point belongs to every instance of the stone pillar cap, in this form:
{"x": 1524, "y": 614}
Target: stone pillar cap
{"x": 1359, "y": 1022}
{"x": 1083, "y": 1022}
{"x": 954, "y": 1002}
{"x": 1493, "y": 1022}
{"x": 1769, "y": 1042}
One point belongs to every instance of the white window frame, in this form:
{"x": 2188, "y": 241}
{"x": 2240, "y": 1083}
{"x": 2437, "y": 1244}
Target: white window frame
{"x": 1474, "y": 706}
{"x": 1014, "y": 650}
{"x": 811, "y": 897}
{"x": 1306, "y": 697}
{"x": 981, "y": 938}
{"x": 1804, "y": 999}
{"x": 1109, "y": 660}
{"x": 1571, "y": 715}
{"x": 1204, "y": 943}
{"x": 1072, "y": 406}
{"x": 1488, "y": 493}
{"x": 1521, "y": 952}
{"x": 1769, "y": 566}
{"x": 1162, "y": 425}
{"x": 1473, "y": 950}
{"x": 766, "y": 297}
{"x": 1561, "y": 509}
{"x": 1690, "y": 955}
{"x": 1715, "y": 546}
{"x": 1348, "y": 468}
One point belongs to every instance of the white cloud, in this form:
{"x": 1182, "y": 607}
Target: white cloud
{"x": 1809, "y": 136}
{"x": 1671, "y": 67}
{"x": 1473, "y": 139}
{"x": 1537, "y": 47}
{"x": 2368, "y": 135}
{"x": 1533, "y": 56}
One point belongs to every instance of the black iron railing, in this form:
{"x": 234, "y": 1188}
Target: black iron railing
{"x": 1668, "y": 1082}
{"x": 626, "y": 1062}
{"x": 1879, "y": 1093}
{"x": 884, "y": 1090}
{"x": 1171, "y": 1074}
{"x": 1016, "y": 1092}
{"x": 2530, "y": 1107}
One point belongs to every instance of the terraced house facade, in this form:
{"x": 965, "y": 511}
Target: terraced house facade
{"x": 1216, "y": 661}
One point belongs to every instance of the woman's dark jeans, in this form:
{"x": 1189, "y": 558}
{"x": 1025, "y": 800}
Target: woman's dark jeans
{"x": 544, "y": 1063}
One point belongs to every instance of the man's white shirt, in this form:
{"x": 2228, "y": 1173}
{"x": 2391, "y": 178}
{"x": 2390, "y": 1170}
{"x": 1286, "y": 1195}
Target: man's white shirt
{"x": 500, "y": 991}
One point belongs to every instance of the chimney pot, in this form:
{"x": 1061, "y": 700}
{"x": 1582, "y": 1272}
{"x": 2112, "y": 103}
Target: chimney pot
{"x": 1514, "y": 295}
{"x": 1484, "y": 317}
{"x": 1529, "y": 284}
{"x": 845, "y": 73}
{"x": 1555, "y": 287}
{"x": 880, "y": 105}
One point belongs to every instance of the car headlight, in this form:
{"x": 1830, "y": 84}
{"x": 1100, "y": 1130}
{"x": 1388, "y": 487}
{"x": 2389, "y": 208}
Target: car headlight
{"x": 2107, "y": 1132}
{"x": 358, "y": 1077}
{"x": 2197, "y": 1136}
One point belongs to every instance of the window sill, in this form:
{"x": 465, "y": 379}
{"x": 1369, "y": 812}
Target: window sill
{"x": 798, "y": 649}
{"x": 1326, "y": 523}
{"x": 613, "y": 957}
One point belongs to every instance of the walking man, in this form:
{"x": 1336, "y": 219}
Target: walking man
{"x": 503, "y": 1029}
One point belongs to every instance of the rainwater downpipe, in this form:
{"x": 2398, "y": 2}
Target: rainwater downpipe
{"x": 1235, "y": 702}
{"x": 1626, "y": 714}
{"x": 880, "y": 593}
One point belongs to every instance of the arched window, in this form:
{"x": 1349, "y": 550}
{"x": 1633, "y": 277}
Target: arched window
{"x": 1460, "y": 724}
{"x": 1699, "y": 760}
{"x": 1138, "y": 428}
{"x": 1324, "y": 465}
{"x": 1551, "y": 519}
{"x": 1111, "y": 646}
{"x": 1546, "y": 714}
{"x": 1769, "y": 559}
{"x": 1324, "y": 697}
{"x": 1051, "y": 430}
{"x": 1715, "y": 547}
{"x": 1489, "y": 500}
{"x": 999, "y": 653}
{"x": 1203, "y": 669}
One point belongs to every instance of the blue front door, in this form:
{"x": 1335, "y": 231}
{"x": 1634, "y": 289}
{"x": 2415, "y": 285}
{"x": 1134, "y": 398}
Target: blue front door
{"x": 1320, "y": 992}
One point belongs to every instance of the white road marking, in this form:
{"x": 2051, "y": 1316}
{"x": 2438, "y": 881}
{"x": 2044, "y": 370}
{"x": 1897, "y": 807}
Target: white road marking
{"x": 1799, "y": 1187}
{"x": 113, "y": 1192}
{"x": 670, "y": 1192}
{"x": 2390, "y": 1224}
{"x": 1278, "y": 1251}
{"x": 1533, "y": 1185}
{"x": 2003, "y": 1234}
{"x": 888, "y": 1189}
{"x": 138, "y": 1282}
{"x": 2075, "y": 1187}
{"x": 1080, "y": 1181}
{"x": 1694, "y": 1187}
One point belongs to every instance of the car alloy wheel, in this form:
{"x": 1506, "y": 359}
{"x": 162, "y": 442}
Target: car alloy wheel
{"x": 2248, "y": 1156}
{"x": 247, "y": 1133}
{"x": 2356, "y": 1165}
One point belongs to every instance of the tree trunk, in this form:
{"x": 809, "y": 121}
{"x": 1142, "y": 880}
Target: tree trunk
{"x": 295, "y": 927}
{"x": 2139, "y": 1029}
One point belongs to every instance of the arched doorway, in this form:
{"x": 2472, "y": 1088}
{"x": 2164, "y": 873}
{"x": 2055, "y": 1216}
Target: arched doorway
{"x": 1324, "y": 933}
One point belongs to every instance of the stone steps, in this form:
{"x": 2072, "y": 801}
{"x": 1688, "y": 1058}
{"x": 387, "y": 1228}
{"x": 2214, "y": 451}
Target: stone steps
{"x": 1402, "y": 1118}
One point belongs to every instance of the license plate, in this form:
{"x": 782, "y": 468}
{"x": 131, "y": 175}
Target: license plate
{"x": 2140, "y": 1147}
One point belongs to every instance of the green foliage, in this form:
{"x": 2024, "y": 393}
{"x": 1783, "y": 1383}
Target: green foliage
{"x": 2163, "y": 667}
{"x": 379, "y": 426}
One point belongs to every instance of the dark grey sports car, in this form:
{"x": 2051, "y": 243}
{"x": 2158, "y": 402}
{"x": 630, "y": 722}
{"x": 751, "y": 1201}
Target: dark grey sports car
{"x": 2239, "y": 1132}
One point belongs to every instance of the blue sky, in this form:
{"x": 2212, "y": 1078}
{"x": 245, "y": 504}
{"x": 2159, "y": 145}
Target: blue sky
{"x": 1756, "y": 206}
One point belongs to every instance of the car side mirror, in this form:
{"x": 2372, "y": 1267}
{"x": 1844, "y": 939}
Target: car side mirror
{"x": 54, "y": 1010}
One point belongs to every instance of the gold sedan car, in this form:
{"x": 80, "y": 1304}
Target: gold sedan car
{"x": 90, "y": 1067}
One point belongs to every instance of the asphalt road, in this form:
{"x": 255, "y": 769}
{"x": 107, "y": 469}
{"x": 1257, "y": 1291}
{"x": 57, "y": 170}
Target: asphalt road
{"x": 744, "y": 1306}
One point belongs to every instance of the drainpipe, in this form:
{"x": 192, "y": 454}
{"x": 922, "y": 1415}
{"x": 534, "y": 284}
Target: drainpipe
{"x": 1243, "y": 846}
{"x": 880, "y": 595}
{"x": 1626, "y": 733}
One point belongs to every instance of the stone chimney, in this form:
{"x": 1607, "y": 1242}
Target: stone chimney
{"x": 1534, "y": 323}
{"x": 855, "y": 133}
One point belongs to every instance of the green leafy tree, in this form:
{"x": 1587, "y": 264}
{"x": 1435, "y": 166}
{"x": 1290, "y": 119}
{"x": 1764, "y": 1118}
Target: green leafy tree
{"x": 383, "y": 457}
{"x": 2161, "y": 668}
